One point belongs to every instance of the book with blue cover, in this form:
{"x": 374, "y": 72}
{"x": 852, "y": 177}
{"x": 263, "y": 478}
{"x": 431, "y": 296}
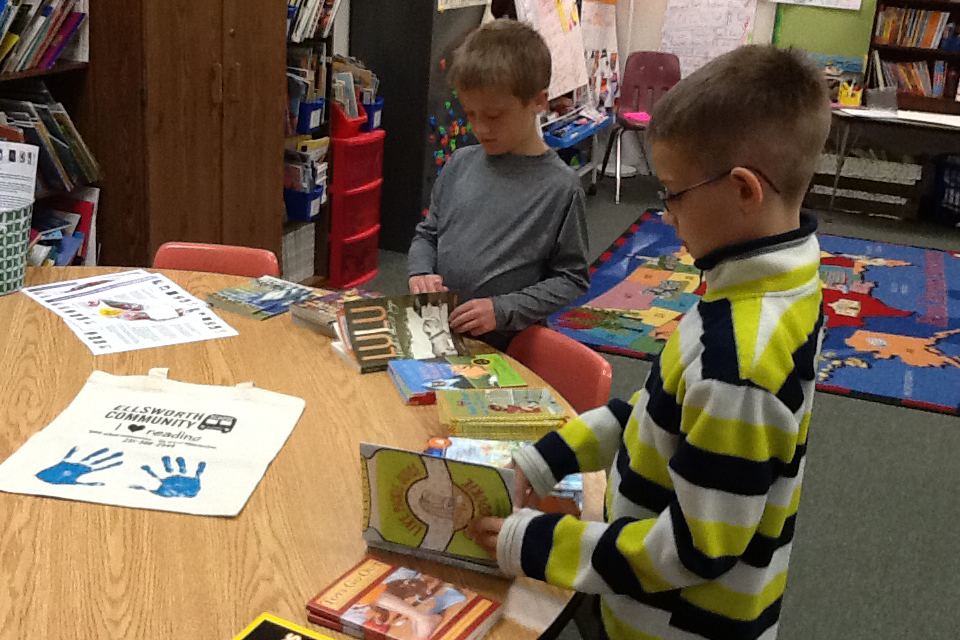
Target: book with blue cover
{"x": 261, "y": 298}
{"x": 419, "y": 380}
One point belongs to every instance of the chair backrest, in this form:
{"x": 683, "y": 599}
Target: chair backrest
{"x": 578, "y": 373}
{"x": 646, "y": 77}
{"x": 217, "y": 258}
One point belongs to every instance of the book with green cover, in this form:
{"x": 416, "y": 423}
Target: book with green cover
{"x": 422, "y": 505}
{"x": 500, "y": 414}
{"x": 419, "y": 380}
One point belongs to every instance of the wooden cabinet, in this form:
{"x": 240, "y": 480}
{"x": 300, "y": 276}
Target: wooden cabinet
{"x": 183, "y": 106}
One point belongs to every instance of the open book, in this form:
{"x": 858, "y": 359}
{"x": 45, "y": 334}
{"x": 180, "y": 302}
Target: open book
{"x": 422, "y": 505}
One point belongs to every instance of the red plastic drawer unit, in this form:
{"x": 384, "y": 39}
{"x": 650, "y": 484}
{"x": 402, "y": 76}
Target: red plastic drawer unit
{"x": 358, "y": 160}
{"x": 343, "y": 127}
{"x": 354, "y": 261}
{"x": 355, "y": 211}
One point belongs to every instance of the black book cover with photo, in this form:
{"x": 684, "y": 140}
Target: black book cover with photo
{"x": 415, "y": 326}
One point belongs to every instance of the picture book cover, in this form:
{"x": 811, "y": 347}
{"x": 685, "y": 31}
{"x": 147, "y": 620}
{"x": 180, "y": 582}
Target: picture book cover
{"x": 567, "y": 496}
{"x": 320, "y": 309}
{"x": 422, "y": 505}
{"x": 261, "y": 298}
{"x": 377, "y": 600}
{"x": 271, "y": 627}
{"x": 407, "y": 326}
{"x": 419, "y": 380}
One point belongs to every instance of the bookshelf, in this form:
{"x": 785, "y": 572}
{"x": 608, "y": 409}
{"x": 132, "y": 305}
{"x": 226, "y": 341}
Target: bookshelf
{"x": 900, "y": 52}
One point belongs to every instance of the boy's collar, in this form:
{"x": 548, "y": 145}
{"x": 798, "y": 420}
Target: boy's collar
{"x": 808, "y": 226}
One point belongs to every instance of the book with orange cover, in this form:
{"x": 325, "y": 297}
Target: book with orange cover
{"x": 376, "y": 600}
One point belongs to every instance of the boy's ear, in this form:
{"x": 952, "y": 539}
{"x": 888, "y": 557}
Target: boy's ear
{"x": 749, "y": 189}
{"x": 540, "y": 100}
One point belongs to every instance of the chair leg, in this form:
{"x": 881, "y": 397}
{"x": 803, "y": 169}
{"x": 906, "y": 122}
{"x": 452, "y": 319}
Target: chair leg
{"x": 641, "y": 140}
{"x": 606, "y": 155}
{"x": 619, "y": 144}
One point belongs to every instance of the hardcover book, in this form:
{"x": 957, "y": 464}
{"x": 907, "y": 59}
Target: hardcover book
{"x": 408, "y": 326}
{"x": 500, "y": 414}
{"x": 421, "y": 505}
{"x": 260, "y": 298}
{"x": 419, "y": 380}
{"x": 376, "y": 600}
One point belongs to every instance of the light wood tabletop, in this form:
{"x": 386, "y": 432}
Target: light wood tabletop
{"x": 88, "y": 571}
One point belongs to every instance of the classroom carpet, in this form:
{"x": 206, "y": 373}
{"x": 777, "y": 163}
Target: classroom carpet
{"x": 893, "y": 312}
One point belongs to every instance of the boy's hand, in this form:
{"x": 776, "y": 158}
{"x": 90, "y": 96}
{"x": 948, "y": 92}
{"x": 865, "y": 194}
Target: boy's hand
{"x": 485, "y": 533}
{"x": 427, "y": 283}
{"x": 523, "y": 493}
{"x": 475, "y": 317}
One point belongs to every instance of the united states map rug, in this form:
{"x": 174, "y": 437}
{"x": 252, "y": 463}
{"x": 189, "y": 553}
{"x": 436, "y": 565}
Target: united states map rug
{"x": 893, "y": 312}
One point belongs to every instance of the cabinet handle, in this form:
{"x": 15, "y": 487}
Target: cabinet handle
{"x": 216, "y": 87}
{"x": 233, "y": 83}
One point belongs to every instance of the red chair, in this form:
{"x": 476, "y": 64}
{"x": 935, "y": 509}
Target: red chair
{"x": 217, "y": 258}
{"x": 647, "y": 76}
{"x": 578, "y": 373}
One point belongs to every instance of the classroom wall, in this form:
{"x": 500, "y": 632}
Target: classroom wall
{"x": 830, "y": 31}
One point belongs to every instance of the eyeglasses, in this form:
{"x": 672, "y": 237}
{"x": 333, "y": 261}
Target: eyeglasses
{"x": 665, "y": 196}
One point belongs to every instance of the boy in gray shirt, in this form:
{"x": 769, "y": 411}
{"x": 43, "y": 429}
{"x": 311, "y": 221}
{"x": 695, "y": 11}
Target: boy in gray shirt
{"x": 506, "y": 224}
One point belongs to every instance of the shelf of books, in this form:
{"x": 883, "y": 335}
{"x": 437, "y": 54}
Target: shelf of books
{"x": 916, "y": 50}
{"x": 38, "y": 41}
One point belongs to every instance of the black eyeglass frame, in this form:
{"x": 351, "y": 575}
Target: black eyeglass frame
{"x": 665, "y": 196}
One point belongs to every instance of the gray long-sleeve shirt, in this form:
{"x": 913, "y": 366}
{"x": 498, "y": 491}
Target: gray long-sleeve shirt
{"x": 507, "y": 227}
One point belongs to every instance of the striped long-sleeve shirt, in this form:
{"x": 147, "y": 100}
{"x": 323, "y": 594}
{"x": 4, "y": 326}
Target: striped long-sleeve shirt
{"x": 705, "y": 462}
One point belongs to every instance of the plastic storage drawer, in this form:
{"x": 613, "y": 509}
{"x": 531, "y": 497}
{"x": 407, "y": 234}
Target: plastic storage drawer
{"x": 354, "y": 261}
{"x": 357, "y": 161}
{"x": 355, "y": 211}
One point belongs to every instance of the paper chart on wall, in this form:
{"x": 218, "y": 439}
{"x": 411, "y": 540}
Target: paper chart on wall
{"x": 700, "y": 30}
{"x": 599, "y": 25}
{"x": 558, "y": 21}
{"x": 853, "y": 5}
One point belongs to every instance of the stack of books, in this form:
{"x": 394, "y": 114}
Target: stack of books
{"x": 63, "y": 230}
{"x": 34, "y": 34}
{"x": 910, "y": 27}
{"x": 381, "y": 601}
{"x": 298, "y": 251}
{"x": 500, "y": 414}
{"x": 419, "y": 380}
{"x": 310, "y": 19}
{"x": 319, "y": 312}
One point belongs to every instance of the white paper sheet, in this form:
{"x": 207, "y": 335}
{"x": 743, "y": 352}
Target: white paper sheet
{"x": 559, "y": 23}
{"x": 18, "y": 174}
{"x": 130, "y": 310}
{"x": 599, "y": 25}
{"x": 153, "y": 443}
{"x": 853, "y": 5}
{"x": 699, "y": 30}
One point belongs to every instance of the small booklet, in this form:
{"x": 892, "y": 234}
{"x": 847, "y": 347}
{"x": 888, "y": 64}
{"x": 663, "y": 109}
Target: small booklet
{"x": 261, "y": 298}
{"x": 419, "y": 380}
{"x": 380, "y": 601}
{"x": 270, "y": 627}
{"x": 500, "y": 414}
{"x": 417, "y": 327}
{"x": 319, "y": 311}
{"x": 422, "y": 505}
{"x": 566, "y": 497}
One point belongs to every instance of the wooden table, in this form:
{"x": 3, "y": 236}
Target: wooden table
{"x": 88, "y": 571}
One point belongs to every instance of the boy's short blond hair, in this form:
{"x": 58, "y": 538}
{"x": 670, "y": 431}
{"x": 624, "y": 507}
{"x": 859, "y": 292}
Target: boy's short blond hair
{"x": 756, "y": 106}
{"x": 503, "y": 54}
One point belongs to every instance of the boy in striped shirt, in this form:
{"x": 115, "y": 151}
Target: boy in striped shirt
{"x": 706, "y": 461}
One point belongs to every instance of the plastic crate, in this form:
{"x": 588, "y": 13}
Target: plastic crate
{"x": 356, "y": 211}
{"x": 301, "y": 205}
{"x": 357, "y": 161}
{"x": 354, "y": 261}
{"x": 374, "y": 111}
{"x": 310, "y": 117}
{"x": 343, "y": 127}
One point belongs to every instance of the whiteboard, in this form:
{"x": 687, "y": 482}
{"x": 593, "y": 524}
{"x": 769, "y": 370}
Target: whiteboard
{"x": 830, "y": 4}
{"x": 559, "y": 23}
{"x": 699, "y": 30}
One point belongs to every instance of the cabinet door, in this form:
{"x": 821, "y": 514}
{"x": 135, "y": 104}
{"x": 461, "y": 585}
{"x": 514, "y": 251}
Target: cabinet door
{"x": 254, "y": 47}
{"x": 183, "y": 49}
